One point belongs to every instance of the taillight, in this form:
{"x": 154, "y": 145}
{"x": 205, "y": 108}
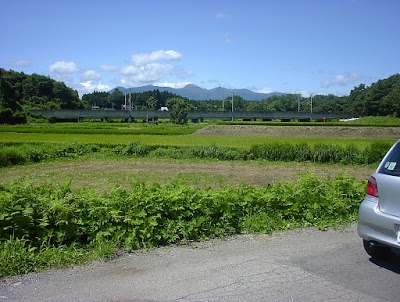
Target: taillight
{"x": 372, "y": 187}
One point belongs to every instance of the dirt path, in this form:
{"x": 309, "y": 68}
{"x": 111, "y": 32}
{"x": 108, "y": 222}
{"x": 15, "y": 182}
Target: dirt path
{"x": 305, "y": 131}
{"x": 105, "y": 174}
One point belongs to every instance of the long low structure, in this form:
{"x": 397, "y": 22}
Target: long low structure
{"x": 195, "y": 116}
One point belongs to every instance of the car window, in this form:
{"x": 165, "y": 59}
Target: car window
{"x": 391, "y": 165}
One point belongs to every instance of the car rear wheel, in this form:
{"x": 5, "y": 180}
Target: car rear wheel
{"x": 377, "y": 250}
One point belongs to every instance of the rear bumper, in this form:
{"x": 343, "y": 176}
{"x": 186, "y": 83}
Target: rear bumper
{"x": 373, "y": 225}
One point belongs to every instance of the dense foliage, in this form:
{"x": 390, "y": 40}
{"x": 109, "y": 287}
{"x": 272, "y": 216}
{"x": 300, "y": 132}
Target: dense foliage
{"x": 34, "y": 219}
{"x": 20, "y": 93}
{"x": 116, "y": 99}
{"x": 178, "y": 110}
{"x": 380, "y": 99}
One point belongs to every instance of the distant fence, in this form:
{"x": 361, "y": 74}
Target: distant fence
{"x": 195, "y": 116}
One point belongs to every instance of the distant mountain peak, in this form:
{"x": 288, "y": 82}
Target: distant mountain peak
{"x": 196, "y": 93}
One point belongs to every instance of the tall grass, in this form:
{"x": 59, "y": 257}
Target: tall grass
{"x": 16, "y": 154}
{"x": 104, "y": 128}
{"x": 49, "y": 225}
{"x": 171, "y": 140}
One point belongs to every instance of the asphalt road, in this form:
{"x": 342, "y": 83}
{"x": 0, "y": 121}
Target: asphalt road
{"x": 299, "y": 265}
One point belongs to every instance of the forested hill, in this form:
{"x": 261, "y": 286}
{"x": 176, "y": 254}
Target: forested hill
{"x": 20, "y": 93}
{"x": 380, "y": 99}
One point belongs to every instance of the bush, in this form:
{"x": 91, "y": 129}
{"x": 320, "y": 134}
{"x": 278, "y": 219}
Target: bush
{"x": 168, "y": 152}
{"x": 274, "y": 152}
{"x": 34, "y": 219}
{"x": 136, "y": 149}
{"x": 375, "y": 152}
{"x": 215, "y": 152}
{"x": 11, "y": 156}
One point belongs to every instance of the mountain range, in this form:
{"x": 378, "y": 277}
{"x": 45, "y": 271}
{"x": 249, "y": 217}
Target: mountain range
{"x": 196, "y": 93}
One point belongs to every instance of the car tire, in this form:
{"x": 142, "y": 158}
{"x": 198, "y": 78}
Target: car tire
{"x": 377, "y": 250}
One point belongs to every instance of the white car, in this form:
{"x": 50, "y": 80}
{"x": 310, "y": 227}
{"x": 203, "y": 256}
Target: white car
{"x": 379, "y": 213}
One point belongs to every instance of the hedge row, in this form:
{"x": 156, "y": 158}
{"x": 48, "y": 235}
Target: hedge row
{"x": 319, "y": 153}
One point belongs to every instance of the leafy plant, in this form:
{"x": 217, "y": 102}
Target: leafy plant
{"x": 35, "y": 220}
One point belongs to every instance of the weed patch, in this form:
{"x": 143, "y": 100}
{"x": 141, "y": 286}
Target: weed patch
{"x": 58, "y": 225}
{"x": 17, "y": 154}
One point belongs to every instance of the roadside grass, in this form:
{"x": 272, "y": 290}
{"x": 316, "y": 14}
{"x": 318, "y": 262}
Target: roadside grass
{"x": 20, "y": 256}
{"x": 48, "y": 225}
{"x": 18, "y": 153}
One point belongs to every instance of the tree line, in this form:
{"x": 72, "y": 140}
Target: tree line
{"x": 380, "y": 99}
{"x": 20, "y": 93}
{"x": 116, "y": 99}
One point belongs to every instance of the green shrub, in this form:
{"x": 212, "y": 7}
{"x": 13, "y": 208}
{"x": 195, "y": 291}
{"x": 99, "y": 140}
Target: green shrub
{"x": 35, "y": 220}
{"x": 318, "y": 153}
{"x": 19, "y": 256}
{"x": 168, "y": 152}
{"x": 136, "y": 149}
{"x": 375, "y": 152}
{"x": 142, "y": 215}
{"x": 274, "y": 152}
{"x": 10, "y": 156}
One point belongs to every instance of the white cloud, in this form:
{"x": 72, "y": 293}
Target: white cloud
{"x": 63, "y": 68}
{"x": 341, "y": 80}
{"x": 150, "y": 68}
{"x": 159, "y": 55}
{"x": 90, "y": 75}
{"x": 90, "y": 86}
{"x": 65, "y": 72}
{"x": 69, "y": 72}
{"x": 145, "y": 69}
{"x": 145, "y": 75}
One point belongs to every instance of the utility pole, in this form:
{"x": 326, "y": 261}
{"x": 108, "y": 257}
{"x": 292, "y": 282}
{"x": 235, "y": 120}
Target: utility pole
{"x": 232, "y": 105}
{"x": 298, "y": 103}
{"x": 298, "y": 100}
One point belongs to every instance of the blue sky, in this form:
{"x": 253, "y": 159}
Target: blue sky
{"x": 291, "y": 46}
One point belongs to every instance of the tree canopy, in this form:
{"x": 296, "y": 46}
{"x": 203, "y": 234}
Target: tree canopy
{"x": 380, "y": 99}
{"x": 178, "y": 110}
{"x": 116, "y": 99}
{"x": 20, "y": 93}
